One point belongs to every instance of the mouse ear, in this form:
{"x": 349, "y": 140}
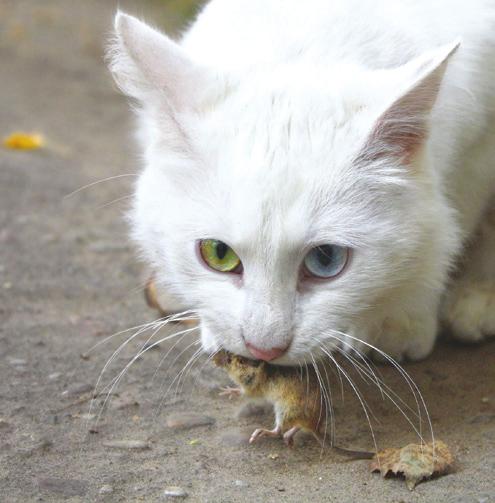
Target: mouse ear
{"x": 222, "y": 358}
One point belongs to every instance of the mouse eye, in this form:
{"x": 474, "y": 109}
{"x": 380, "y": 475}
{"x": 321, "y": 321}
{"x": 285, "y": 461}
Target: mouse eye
{"x": 253, "y": 363}
{"x": 325, "y": 261}
{"x": 219, "y": 256}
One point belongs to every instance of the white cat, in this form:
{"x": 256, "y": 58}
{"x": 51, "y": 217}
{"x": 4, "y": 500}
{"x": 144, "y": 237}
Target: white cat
{"x": 314, "y": 170}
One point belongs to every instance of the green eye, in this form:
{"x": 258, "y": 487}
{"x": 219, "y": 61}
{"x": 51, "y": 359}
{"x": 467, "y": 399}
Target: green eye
{"x": 219, "y": 256}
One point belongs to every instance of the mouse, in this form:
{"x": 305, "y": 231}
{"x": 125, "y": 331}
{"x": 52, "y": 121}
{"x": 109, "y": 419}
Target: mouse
{"x": 295, "y": 394}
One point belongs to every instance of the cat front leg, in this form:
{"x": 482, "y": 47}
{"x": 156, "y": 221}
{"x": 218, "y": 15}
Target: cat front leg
{"x": 406, "y": 336}
{"x": 468, "y": 310}
{"x": 398, "y": 334}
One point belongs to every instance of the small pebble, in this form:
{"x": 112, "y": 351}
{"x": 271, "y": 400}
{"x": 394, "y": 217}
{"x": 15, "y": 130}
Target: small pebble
{"x": 77, "y": 389}
{"x": 87, "y": 416}
{"x": 435, "y": 376}
{"x": 485, "y": 399}
{"x": 482, "y": 419}
{"x": 273, "y": 456}
{"x": 4, "y": 425}
{"x": 187, "y": 421}
{"x": 241, "y": 483}
{"x": 64, "y": 487}
{"x": 106, "y": 489}
{"x": 123, "y": 401}
{"x": 127, "y": 444}
{"x": 17, "y": 361}
{"x": 174, "y": 492}
{"x": 39, "y": 446}
{"x": 54, "y": 376}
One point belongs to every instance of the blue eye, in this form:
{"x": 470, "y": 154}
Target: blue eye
{"x": 326, "y": 261}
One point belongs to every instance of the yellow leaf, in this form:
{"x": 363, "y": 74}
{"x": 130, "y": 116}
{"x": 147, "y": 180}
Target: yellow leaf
{"x": 23, "y": 141}
{"x": 194, "y": 441}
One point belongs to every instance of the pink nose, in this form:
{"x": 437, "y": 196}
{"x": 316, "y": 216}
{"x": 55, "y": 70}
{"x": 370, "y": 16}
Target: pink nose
{"x": 265, "y": 354}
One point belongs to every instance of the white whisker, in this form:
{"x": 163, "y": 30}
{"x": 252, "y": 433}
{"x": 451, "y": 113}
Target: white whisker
{"x": 412, "y": 385}
{"x": 144, "y": 328}
{"x": 362, "y": 401}
{"x": 175, "y": 378}
{"x": 143, "y": 350}
{"x": 92, "y": 184}
{"x": 114, "y": 201}
{"x": 324, "y": 405}
{"x": 387, "y": 394}
{"x": 187, "y": 369}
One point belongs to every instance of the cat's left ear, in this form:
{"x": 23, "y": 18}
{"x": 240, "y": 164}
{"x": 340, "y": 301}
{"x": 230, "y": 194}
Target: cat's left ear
{"x": 403, "y": 127}
{"x": 151, "y": 68}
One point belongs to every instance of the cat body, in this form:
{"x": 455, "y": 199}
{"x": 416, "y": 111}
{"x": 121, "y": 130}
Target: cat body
{"x": 279, "y": 127}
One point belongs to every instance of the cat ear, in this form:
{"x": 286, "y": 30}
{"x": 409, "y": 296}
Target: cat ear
{"x": 403, "y": 128}
{"x": 148, "y": 66}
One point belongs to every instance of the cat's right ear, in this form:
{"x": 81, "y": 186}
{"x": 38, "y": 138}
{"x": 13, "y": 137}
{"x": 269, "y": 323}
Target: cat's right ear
{"x": 151, "y": 68}
{"x": 403, "y": 127}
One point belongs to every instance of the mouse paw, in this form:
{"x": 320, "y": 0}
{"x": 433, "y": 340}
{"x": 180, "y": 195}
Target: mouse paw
{"x": 230, "y": 392}
{"x": 289, "y": 436}
{"x": 261, "y": 432}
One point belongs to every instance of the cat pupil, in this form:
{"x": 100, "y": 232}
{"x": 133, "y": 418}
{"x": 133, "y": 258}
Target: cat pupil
{"x": 221, "y": 250}
{"x": 324, "y": 255}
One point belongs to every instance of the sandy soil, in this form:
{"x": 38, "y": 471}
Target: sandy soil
{"x": 68, "y": 278}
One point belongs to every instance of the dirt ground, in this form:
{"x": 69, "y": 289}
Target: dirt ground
{"x": 68, "y": 278}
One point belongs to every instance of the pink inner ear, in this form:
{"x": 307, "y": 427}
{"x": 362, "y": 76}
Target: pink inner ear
{"x": 403, "y": 127}
{"x": 398, "y": 134}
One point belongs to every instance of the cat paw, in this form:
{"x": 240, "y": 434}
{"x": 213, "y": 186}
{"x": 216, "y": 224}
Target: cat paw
{"x": 404, "y": 338}
{"x": 469, "y": 311}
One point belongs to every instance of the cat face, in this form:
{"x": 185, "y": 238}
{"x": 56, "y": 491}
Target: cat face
{"x": 285, "y": 206}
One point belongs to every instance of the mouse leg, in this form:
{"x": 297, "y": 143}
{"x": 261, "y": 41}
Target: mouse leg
{"x": 261, "y": 432}
{"x": 289, "y": 436}
{"x": 230, "y": 392}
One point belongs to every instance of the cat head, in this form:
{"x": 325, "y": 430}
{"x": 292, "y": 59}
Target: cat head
{"x": 286, "y": 204}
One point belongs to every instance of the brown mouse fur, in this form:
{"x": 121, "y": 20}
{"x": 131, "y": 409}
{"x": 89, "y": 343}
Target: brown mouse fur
{"x": 295, "y": 394}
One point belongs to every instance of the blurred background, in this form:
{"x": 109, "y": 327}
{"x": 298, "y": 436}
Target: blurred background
{"x": 69, "y": 278}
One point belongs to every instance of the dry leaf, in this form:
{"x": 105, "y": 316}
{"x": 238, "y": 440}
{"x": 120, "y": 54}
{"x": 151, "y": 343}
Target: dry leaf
{"x": 414, "y": 462}
{"x": 23, "y": 141}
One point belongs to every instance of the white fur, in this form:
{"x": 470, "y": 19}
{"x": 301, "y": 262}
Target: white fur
{"x": 277, "y": 125}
